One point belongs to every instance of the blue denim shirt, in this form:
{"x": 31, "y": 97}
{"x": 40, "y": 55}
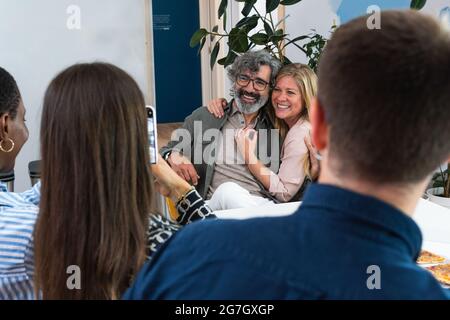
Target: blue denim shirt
{"x": 338, "y": 245}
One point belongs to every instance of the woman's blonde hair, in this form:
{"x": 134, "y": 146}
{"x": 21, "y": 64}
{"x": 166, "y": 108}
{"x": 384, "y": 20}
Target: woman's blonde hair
{"x": 306, "y": 81}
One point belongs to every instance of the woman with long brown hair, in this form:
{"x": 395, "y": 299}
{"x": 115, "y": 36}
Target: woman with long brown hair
{"x": 96, "y": 194}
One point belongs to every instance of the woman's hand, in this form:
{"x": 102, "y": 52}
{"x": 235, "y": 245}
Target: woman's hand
{"x": 168, "y": 182}
{"x": 216, "y": 107}
{"x": 246, "y": 140}
{"x": 313, "y": 158}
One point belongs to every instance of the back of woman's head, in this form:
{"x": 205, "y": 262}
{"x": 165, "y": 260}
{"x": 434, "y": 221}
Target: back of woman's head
{"x": 96, "y": 186}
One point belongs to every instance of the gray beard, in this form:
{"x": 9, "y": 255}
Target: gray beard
{"x": 250, "y": 108}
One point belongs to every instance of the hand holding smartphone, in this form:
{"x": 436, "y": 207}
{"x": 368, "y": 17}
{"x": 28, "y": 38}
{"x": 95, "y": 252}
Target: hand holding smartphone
{"x": 152, "y": 134}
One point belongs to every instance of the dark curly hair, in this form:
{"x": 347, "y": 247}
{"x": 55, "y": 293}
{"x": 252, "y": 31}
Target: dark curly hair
{"x": 253, "y": 60}
{"x": 9, "y": 94}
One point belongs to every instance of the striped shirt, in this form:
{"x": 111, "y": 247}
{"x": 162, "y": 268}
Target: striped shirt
{"x": 18, "y": 214}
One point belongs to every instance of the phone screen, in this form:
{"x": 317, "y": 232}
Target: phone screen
{"x": 152, "y": 137}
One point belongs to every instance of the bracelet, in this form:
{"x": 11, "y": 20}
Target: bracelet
{"x": 192, "y": 207}
{"x": 183, "y": 197}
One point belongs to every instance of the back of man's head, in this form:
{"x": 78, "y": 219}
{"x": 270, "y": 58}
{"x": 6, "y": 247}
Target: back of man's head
{"x": 386, "y": 97}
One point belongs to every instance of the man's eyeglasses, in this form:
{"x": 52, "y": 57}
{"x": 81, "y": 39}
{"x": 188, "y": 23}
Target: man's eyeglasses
{"x": 258, "y": 84}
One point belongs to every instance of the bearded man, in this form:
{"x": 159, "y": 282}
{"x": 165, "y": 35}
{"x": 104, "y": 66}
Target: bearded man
{"x": 203, "y": 150}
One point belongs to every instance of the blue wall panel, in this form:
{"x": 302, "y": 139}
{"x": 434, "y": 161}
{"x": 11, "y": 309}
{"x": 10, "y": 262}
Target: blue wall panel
{"x": 177, "y": 66}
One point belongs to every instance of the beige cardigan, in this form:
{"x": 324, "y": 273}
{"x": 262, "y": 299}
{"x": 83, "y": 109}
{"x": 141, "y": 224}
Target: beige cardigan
{"x": 289, "y": 179}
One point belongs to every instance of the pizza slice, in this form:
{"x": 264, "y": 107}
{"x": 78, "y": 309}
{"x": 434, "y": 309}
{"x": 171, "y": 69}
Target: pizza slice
{"x": 427, "y": 257}
{"x": 441, "y": 272}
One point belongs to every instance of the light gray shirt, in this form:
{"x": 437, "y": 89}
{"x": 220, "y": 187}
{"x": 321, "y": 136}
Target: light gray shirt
{"x": 230, "y": 165}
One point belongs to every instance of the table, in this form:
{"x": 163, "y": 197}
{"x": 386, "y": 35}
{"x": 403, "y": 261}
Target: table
{"x": 433, "y": 221}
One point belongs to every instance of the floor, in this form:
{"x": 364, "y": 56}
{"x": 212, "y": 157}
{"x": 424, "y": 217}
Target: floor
{"x": 165, "y": 131}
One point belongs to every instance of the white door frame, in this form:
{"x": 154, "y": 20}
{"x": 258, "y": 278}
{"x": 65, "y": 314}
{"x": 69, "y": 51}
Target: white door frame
{"x": 149, "y": 61}
{"x": 212, "y": 80}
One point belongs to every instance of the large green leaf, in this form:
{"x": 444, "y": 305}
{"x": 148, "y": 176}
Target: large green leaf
{"x": 197, "y": 36}
{"x": 242, "y": 22}
{"x": 276, "y": 39}
{"x": 296, "y": 39}
{"x": 214, "y": 30}
{"x": 248, "y": 7}
{"x": 202, "y": 43}
{"x": 225, "y": 21}
{"x": 222, "y": 7}
{"x": 289, "y": 2}
{"x": 248, "y": 23}
{"x": 268, "y": 28}
{"x": 271, "y": 5}
{"x": 279, "y": 32}
{"x": 259, "y": 38}
{"x": 277, "y": 36}
{"x": 214, "y": 54}
{"x": 229, "y": 59}
{"x": 238, "y": 40}
{"x": 417, "y": 4}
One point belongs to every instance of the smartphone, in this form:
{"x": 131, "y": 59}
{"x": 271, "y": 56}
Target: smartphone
{"x": 152, "y": 134}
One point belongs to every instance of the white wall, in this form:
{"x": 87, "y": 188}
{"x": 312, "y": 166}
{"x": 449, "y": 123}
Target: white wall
{"x": 305, "y": 16}
{"x": 36, "y": 44}
{"x": 321, "y": 15}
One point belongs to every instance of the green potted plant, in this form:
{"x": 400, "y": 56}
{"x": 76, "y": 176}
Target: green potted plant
{"x": 440, "y": 188}
{"x": 245, "y": 36}
{"x": 256, "y": 28}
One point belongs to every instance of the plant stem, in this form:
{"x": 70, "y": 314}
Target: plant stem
{"x": 289, "y": 42}
{"x": 259, "y": 15}
{"x": 218, "y": 34}
{"x": 271, "y": 21}
{"x": 280, "y": 52}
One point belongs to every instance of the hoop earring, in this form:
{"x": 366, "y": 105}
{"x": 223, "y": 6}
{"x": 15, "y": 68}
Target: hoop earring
{"x": 3, "y": 149}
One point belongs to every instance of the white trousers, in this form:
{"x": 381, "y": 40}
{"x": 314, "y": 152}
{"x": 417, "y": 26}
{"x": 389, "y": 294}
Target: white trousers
{"x": 230, "y": 195}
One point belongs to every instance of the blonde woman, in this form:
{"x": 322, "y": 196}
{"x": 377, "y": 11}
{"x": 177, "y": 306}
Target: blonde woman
{"x": 295, "y": 87}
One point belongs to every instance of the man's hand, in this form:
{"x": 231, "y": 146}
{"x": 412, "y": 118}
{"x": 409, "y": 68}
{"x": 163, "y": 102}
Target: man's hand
{"x": 183, "y": 167}
{"x": 313, "y": 158}
{"x": 168, "y": 183}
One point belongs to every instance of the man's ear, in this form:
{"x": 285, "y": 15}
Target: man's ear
{"x": 319, "y": 132}
{"x": 4, "y": 119}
